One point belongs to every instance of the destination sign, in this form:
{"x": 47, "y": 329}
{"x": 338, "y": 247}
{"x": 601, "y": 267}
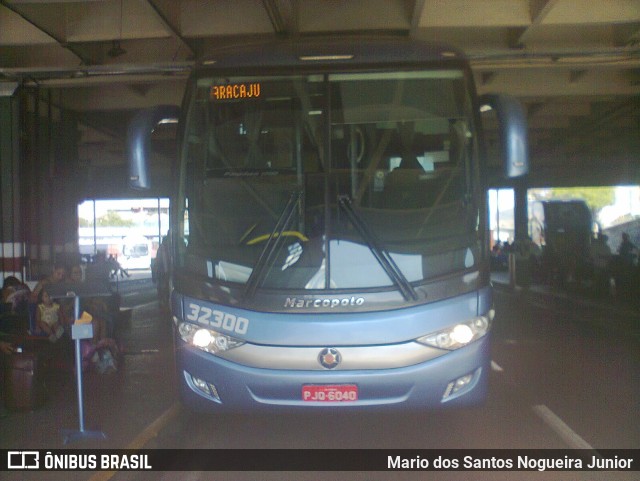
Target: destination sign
{"x": 235, "y": 91}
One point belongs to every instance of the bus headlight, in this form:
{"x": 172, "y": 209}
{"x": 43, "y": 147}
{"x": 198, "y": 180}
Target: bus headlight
{"x": 460, "y": 334}
{"x": 206, "y": 339}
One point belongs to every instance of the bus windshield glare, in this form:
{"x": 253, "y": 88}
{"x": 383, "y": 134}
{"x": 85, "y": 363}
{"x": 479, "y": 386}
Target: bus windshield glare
{"x": 330, "y": 181}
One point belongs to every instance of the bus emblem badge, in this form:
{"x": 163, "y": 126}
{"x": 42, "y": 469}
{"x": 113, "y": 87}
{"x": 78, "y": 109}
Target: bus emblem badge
{"x": 329, "y": 357}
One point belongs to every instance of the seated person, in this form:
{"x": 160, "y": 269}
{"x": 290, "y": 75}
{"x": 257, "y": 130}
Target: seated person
{"x": 74, "y": 275}
{"x": 96, "y": 306}
{"x": 56, "y": 276}
{"x": 15, "y": 295}
{"x": 98, "y": 309}
{"x": 49, "y": 316}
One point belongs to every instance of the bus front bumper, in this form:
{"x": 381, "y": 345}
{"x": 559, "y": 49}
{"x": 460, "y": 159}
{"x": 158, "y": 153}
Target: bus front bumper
{"x": 457, "y": 378}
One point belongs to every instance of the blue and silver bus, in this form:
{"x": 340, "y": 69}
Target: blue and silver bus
{"x": 329, "y": 242}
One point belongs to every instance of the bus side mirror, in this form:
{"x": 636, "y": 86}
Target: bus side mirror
{"x": 513, "y": 132}
{"x": 139, "y": 139}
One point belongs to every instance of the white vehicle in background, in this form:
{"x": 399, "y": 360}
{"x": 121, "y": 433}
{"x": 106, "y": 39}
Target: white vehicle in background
{"x": 136, "y": 252}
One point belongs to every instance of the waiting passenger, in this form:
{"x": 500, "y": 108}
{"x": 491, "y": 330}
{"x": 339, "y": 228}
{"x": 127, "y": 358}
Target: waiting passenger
{"x": 15, "y": 295}
{"x": 74, "y": 276}
{"x": 601, "y": 261}
{"x": 116, "y": 268}
{"x": 49, "y": 316}
{"x": 56, "y": 276}
{"x": 160, "y": 272}
{"x": 96, "y": 306}
{"x": 626, "y": 272}
{"x": 627, "y": 250}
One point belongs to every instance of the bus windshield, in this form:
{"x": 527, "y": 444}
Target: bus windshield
{"x": 330, "y": 181}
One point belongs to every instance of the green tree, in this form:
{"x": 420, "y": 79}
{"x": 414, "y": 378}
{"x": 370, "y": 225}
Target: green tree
{"x": 113, "y": 219}
{"x": 596, "y": 197}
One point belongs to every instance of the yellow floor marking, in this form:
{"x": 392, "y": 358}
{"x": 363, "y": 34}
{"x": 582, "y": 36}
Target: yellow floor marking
{"x": 150, "y": 432}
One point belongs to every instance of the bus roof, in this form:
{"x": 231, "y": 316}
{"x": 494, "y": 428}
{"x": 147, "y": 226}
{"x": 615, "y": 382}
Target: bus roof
{"x": 329, "y": 51}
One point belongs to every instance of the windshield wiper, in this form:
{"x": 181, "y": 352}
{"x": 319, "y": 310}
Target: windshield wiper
{"x": 272, "y": 246}
{"x": 381, "y": 254}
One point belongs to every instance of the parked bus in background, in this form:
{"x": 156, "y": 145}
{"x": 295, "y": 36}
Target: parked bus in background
{"x": 563, "y": 229}
{"x": 329, "y": 241}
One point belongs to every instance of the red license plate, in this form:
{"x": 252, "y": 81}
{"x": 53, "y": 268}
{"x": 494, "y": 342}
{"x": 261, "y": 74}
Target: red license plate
{"x": 330, "y": 393}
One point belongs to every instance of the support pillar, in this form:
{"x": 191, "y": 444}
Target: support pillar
{"x": 50, "y": 182}
{"x": 520, "y": 259}
{"x": 521, "y": 215}
{"x": 11, "y": 232}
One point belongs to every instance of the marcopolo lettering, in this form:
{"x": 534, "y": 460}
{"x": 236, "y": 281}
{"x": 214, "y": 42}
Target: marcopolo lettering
{"x": 298, "y": 303}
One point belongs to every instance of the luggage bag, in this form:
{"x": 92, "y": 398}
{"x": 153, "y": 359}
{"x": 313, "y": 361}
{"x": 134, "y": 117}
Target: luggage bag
{"x": 24, "y": 387}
